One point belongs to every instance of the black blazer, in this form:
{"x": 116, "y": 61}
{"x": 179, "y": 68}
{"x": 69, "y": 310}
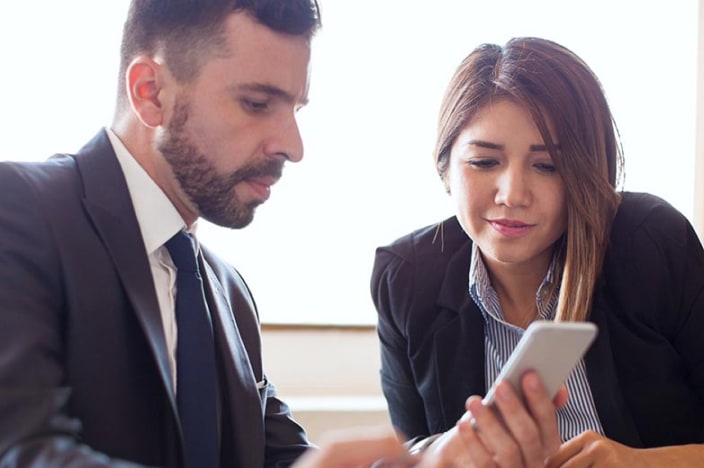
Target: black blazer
{"x": 645, "y": 369}
{"x": 84, "y": 373}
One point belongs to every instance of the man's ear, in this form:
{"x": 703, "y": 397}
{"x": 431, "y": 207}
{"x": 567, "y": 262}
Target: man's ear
{"x": 144, "y": 85}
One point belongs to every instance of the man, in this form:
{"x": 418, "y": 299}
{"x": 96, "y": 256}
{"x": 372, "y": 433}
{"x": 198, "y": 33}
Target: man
{"x": 96, "y": 365}
{"x": 89, "y": 288}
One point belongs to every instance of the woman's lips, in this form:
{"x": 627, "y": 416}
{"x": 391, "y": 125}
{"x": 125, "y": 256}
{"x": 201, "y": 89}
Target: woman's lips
{"x": 511, "y": 227}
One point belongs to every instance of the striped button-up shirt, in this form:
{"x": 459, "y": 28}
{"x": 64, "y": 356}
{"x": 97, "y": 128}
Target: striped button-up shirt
{"x": 501, "y": 337}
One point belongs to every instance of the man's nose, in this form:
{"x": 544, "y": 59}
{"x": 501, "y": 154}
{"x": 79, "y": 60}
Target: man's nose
{"x": 286, "y": 141}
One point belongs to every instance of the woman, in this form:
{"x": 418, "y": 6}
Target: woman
{"x": 528, "y": 150}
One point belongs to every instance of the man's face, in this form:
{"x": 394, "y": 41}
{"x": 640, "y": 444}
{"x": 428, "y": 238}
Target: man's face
{"x": 230, "y": 131}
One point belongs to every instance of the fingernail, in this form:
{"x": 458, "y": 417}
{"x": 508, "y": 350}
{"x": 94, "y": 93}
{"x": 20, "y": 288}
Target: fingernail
{"x": 503, "y": 392}
{"x": 475, "y": 407}
{"x": 533, "y": 382}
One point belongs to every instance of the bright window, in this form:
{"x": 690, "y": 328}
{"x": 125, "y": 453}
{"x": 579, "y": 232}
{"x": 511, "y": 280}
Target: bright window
{"x": 379, "y": 71}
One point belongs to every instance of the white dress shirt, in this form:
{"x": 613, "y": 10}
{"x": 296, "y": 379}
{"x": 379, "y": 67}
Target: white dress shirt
{"x": 158, "y": 221}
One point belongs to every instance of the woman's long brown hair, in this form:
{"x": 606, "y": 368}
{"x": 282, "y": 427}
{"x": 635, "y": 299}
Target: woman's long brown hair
{"x": 557, "y": 87}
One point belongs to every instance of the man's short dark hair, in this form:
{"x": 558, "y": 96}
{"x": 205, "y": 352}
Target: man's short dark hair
{"x": 189, "y": 32}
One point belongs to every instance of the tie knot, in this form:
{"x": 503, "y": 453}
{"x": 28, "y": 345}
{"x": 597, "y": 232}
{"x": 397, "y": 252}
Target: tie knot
{"x": 183, "y": 252}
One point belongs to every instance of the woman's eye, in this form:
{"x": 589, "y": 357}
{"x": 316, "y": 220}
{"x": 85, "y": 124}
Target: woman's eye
{"x": 483, "y": 163}
{"x": 546, "y": 167}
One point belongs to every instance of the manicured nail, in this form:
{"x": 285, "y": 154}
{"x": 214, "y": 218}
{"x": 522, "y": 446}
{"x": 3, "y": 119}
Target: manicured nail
{"x": 503, "y": 393}
{"x": 534, "y": 383}
{"x": 476, "y": 407}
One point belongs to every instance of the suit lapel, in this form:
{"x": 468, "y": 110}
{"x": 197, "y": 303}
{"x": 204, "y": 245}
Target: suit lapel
{"x": 108, "y": 204}
{"x": 459, "y": 360}
{"x": 244, "y": 404}
{"x": 459, "y": 343}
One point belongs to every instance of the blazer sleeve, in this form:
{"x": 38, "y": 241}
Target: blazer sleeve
{"x": 672, "y": 240}
{"x": 35, "y": 429}
{"x": 653, "y": 300}
{"x": 286, "y": 441}
{"x": 392, "y": 283}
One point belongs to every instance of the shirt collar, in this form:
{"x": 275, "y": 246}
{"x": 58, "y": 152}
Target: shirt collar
{"x": 484, "y": 295}
{"x": 157, "y": 217}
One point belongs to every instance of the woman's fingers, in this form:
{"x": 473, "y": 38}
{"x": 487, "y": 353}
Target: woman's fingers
{"x": 542, "y": 409}
{"x": 521, "y": 426}
{"x": 514, "y": 433}
{"x": 494, "y": 435}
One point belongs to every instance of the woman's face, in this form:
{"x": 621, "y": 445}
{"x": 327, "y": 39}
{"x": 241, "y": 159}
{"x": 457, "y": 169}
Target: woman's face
{"x": 508, "y": 195}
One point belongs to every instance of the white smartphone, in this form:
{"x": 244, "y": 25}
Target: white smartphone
{"x": 552, "y": 349}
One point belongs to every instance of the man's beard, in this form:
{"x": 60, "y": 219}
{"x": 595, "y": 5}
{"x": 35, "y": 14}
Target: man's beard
{"x": 212, "y": 193}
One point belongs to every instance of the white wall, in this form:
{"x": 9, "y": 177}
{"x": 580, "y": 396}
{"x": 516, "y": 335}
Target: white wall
{"x": 379, "y": 70}
{"x": 328, "y": 376}
{"x": 699, "y": 168}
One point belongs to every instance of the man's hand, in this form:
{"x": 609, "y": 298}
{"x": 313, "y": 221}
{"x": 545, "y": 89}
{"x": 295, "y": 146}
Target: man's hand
{"x": 357, "y": 448}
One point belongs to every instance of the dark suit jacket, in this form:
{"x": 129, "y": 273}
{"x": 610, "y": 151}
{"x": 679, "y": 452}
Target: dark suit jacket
{"x": 645, "y": 369}
{"x": 84, "y": 373}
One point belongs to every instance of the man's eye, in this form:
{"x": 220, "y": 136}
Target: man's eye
{"x": 254, "y": 106}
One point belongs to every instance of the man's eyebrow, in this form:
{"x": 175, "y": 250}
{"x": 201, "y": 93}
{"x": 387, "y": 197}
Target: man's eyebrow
{"x": 496, "y": 146}
{"x": 271, "y": 91}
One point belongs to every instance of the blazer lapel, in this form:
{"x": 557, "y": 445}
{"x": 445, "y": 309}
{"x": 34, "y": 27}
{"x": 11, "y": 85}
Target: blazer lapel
{"x": 459, "y": 360}
{"x": 245, "y": 406}
{"x": 107, "y": 202}
{"x": 459, "y": 343}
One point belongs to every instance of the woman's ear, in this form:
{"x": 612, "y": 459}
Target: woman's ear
{"x": 144, "y": 81}
{"x": 446, "y": 182}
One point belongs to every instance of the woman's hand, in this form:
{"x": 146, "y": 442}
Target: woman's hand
{"x": 457, "y": 447}
{"x": 595, "y": 450}
{"x": 509, "y": 435}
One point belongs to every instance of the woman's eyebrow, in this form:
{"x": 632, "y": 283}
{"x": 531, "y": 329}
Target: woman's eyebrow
{"x": 485, "y": 144}
{"x": 542, "y": 148}
{"x": 497, "y": 146}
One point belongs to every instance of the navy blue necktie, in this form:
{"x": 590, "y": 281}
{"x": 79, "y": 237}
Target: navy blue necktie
{"x": 195, "y": 359}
